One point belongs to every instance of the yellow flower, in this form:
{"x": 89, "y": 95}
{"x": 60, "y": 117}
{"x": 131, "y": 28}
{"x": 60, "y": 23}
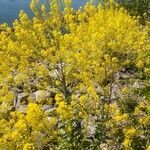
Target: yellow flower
{"x": 29, "y": 146}
{"x": 57, "y": 82}
{"x": 82, "y": 100}
{"x": 64, "y": 111}
{"x": 148, "y": 148}
{"x": 115, "y": 60}
{"x": 34, "y": 114}
{"x": 73, "y": 54}
{"x": 130, "y": 133}
{"x": 43, "y": 8}
{"x": 127, "y": 144}
{"x": 21, "y": 125}
{"x": 119, "y": 118}
{"x": 58, "y": 98}
{"x": 140, "y": 64}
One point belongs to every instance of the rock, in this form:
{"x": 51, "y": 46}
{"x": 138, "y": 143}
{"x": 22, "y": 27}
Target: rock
{"x": 124, "y": 74}
{"x": 22, "y": 95}
{"x": 121, "y": 75}
{"x": 22, "y": 108}
{"x": 32, "y": 98}
{"x": 54, "y": 74}
{"x": 99, "y": 90}
{"x": 110, "y": 146}
{"x": 45, "y": 107}
{"x": 91, "y": 130}
{"x": 41, "y": 95}
{"x": 19, "y": 98}
{"x": 138, "y": 85}
{"x": 91, "y": 126}
{"x": 104, "y": 146}
{"x": 116, "y": 91}
{"x": 49, "y": 110}
{"x": 16, "y": 90}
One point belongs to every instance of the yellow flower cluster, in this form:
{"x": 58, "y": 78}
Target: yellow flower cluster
{"x": 63, "y": 110}
{"x": 28, "y": 146}
{"x": 75, "y": 56}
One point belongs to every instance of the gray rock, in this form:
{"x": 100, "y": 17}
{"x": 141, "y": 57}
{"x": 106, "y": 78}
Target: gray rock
{"x": 123, "y": 75}
{"x": 22, "y": 95}
{"x": 19, "y": 98}
{"x": 45, "y": 107}
{"x": 91, "y": 126}
{"x": 50, "y": 110}
{"x": 22, "y": 108}
{"x": 99, "y": 90}
{"x": 104, "y": 146}
{"x": 16, "y": 90}
{"x": 126, "y": 75}
{"x": 138, "y": 85}
{"x": 32, "y": 97}
{"x": 41, "y": 95}
{"x": 116, "y": 91}
{"x": 54, "y": 74}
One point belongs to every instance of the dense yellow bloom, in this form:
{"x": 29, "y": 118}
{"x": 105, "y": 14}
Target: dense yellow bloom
{"x": 148, "y": 148}
{"x": 64, "y": 111}
{"x": 34, "y": 114}
{"x": 28, "y": 146}
{"x": 120, "y": 118}
{"x": 140, "y": 64}
{"x": 130, "y": 133}
{"x": 127, "y": 144}
{"x": 21, "y": 125}
{"x": 77, "y": 57}
{"x": 58, "y": 98}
